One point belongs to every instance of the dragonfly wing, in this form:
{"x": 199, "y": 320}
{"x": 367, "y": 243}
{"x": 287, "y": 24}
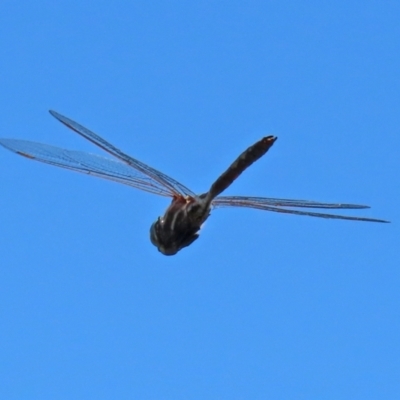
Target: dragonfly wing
{"x": 86, "y": 163}
{"x": 267, "y": 201}
{"x": 164, "y": 180}
{"x": 278, "y": 205}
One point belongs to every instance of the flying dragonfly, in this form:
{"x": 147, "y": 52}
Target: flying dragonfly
{"x": 179, "y": 226}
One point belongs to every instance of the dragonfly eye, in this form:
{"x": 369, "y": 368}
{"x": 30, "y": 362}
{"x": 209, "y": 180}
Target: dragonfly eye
{"x": 167, "y": 242}
{"x": 154, "y": 232}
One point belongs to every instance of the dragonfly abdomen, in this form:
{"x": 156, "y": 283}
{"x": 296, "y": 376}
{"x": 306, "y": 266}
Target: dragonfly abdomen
{"x": 248, "y": 157}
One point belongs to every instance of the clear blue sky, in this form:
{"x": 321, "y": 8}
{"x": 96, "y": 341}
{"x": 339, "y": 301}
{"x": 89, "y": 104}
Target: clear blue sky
{"x": 262, "y": 305}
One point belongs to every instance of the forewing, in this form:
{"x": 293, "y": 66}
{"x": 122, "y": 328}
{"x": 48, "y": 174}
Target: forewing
{"x": 278, "y": 205}
{"x": 173, "y": 186}
{"x": 86, "y": 163}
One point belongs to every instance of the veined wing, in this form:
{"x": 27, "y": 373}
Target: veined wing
{"x": 171, "y": 185}
{"x": 279, "y": 205}
{"x": 86, "y": 163}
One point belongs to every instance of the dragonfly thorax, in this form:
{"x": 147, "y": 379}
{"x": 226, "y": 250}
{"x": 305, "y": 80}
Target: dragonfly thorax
{"x": 179, "y": 226}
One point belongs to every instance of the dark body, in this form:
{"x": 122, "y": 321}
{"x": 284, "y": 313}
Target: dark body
{"x": 179, "y": 226}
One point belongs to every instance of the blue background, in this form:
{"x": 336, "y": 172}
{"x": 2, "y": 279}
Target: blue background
{"x": 262, "y": 305}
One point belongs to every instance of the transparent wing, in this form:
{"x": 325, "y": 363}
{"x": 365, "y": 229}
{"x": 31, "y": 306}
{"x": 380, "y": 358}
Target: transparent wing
{"x": 86, "y": 163}
{"x": 169, "y": 184}
{"x": 278, "y": 205}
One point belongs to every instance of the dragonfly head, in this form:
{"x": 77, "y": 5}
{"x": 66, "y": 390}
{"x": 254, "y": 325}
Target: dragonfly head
{"x": 168, "y": 241}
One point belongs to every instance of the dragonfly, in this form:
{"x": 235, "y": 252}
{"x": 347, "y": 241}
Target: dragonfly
{"x": 179, "y": 226}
